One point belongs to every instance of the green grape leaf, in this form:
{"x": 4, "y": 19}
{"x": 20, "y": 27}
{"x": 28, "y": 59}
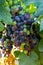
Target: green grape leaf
{"x": 2, "y": 2}
{"x": 5, "y": 15}
{"x": 41, "y": 57}
{"x": 36, "y": 2}
{"x": 41, "y": 34}
{"x": 28, "y": 60}
{"x": 41, "y": 25}
{"x": 25, "y": 2}
{"x": 40, "y": 46}
{"x": 1, "y": 27}
{"x": 39, "y": 11}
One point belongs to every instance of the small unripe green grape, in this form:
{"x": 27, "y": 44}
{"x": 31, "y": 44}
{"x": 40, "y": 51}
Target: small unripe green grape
{"x": 5, "y": 44}
{"x": 32, "y": 8}
{"x": 24, "y": 26}
{"x": 28, "y": 32}
{"x": 7, "y": 40}
{"x": 25, "y": 30}
{"x": 22, "y": 46}
{"x": 14, "y": 23}
{"x": 25, "y": 51}
{"x": 12, "y": 39}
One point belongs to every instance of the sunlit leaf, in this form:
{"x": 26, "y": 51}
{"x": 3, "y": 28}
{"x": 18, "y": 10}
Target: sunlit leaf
{"x": 32, "y": 8}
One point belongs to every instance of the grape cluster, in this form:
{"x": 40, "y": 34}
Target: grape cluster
{"x": 20, "y": 33}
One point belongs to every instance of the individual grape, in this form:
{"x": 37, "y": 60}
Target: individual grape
{"x": 17, "y": 18}
{"x": 21, "y": 41}
{"x": 28, "y": 32}
{"x": 22, "y": 38}
{"x": 19, "y": 24}
{"x": 25, "y": 52}
{"x": 14, "y": 28}
{"x": 21, "y": 32}
{"x": 16, "y": 38}
{"x": 16, "y": 32}
{"x": 21, "y": 27}
{"x": 14, "y": 23}
{"x": 22, "y": 46}
{"x": 25, "y": 30}
{"x": 16, "y": 44}
{"x": 8, "y": 33}
{"x": 25, "y": 21}
{"x": 26, "y": 47}
{"x": 25, "y": 26}
{"x": 20, "y": 8}
{"x": 26, "y": 16}
{"x": 9, "y": 48}
{"x": 21, "y": 17}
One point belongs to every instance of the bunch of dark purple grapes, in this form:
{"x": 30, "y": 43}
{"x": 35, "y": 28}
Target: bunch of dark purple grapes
{"x": 20, "y": 33}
